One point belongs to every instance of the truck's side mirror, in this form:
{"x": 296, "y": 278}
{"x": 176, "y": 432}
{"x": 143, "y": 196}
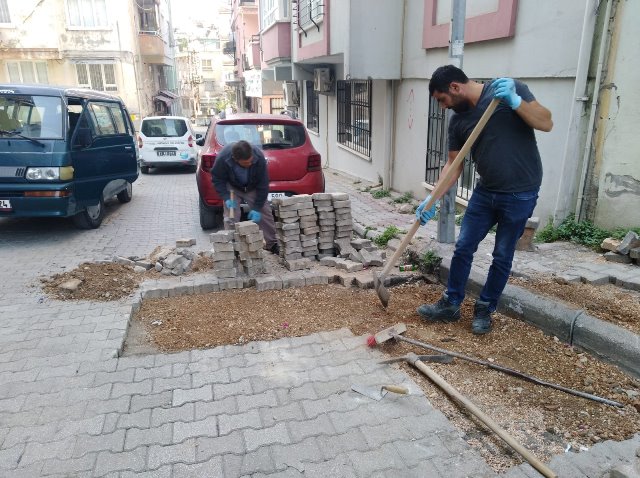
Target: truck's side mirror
{"x": 200, "y": 141}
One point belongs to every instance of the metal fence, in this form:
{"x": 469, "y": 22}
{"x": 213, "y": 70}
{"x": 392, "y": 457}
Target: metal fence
{"x": 437, "y": 153}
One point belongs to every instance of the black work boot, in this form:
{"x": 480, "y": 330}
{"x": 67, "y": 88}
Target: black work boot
{"x": 441, "y": 311}
{"x": 481, "y": 318}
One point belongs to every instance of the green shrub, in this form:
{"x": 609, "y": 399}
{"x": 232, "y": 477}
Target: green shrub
{"x": 428, "y": 262}
{"x": 405, "y": 198}
{"x": 389, "y": 233}
{"x": 381, "y": 193}
{"x": 583, "y": 232}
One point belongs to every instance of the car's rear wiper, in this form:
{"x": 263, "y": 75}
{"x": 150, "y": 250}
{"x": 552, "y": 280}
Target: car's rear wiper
{"x": 4, "y": 132}
{"x": 275, "y": 145}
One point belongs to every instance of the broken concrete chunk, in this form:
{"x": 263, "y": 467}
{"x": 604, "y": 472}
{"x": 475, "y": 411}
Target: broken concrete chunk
{"x": 71, "y": 285}
{"x": 619, "y": 258}
{"x": 139, "y": 269}
{"x": 123, "y": 260}
{"x": 610, "y": 244}
{"x": 630, "y": 241}
{"x": 371, "y": 258}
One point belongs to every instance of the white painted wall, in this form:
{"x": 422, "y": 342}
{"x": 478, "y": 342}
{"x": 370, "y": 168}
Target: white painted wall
{"x": 619, "y": 191}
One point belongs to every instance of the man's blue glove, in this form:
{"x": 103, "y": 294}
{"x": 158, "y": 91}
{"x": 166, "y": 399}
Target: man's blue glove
{"x": 505, "y": 89}
{"x": 427, "y": 215}
{"x": 231, "y": 203}
{"x": 254, "y": 216}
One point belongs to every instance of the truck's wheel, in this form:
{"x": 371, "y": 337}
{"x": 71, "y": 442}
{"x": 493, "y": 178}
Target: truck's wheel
{"x": 91, "y": 217}
{"x": 126, "y": 194}
{"x": 209, "y": 219}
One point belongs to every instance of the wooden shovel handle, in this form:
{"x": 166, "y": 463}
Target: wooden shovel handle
{"x": 484, "y": 418}
{"x": 232, "y": 197}
{"x": 442, "y": 187}
{"x": 396, "y": 389}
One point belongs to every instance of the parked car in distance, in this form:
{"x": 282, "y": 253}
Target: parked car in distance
{"x": 294, "y": 166}
{"x": 167, "y": 141}
{"x": 63, "y": 152}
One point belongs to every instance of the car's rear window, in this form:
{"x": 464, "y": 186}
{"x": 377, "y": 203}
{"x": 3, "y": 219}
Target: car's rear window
{"x": 164, "y": 127}
{"x": 266, "y": 135}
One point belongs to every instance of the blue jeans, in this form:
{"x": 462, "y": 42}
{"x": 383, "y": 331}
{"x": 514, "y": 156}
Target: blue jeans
{"x": 510, "y": 212}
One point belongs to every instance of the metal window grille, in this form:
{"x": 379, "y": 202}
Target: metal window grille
{"x": 4, "y": 12}
{"x": 438, "y": 153}
{"x": 313, "y": 107}
{"x": 276, "y": 105}
{"x": 97, "y": 76}
{"x": 354, "y": 115}
{"x": 28, "y": 72}
{"x": 310, "y": 12}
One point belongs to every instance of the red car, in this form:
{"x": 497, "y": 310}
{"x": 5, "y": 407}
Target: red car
{"x": 295, "y": 167}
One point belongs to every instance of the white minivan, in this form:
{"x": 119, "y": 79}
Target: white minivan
{"x": 167, "y": 141}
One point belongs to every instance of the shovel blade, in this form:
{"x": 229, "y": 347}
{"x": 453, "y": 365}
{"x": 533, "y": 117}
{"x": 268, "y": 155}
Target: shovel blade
{"x": 381, "y": 290}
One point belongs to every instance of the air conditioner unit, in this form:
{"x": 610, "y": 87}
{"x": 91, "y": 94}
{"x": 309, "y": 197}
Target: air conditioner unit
{"x": 322, "y": 80}
{"x": 291, "y": 97}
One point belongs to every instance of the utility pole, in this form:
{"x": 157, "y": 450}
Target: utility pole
{"x": 447, "y": 215}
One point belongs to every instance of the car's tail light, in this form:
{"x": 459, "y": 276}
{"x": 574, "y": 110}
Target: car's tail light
{"x": 314, "y": 163}
{"x": 139, "y": 142}
{"x": 190, "y": 141}
{"x": 207, "y": 161}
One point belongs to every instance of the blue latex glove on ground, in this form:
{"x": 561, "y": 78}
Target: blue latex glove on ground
{"x": 254, "y": 216}
{"x": 505, "y": 89}
{"x": 427, "y": 215}
{"x": 230, "y": 203}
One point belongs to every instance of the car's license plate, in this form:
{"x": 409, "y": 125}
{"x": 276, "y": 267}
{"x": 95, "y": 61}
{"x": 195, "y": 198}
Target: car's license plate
{"x": 166, "y": 153}
{"x": 276, "y": 195}
{"x": 5, "y": 205}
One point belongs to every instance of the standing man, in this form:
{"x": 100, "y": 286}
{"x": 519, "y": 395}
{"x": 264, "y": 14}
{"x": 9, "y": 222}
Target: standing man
{"x": 242, "y": 168}
{"x": 508, "y": 163}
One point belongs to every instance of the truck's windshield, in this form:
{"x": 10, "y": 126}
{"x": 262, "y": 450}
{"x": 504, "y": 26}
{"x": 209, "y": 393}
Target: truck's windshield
{"x": 31, "y": 116}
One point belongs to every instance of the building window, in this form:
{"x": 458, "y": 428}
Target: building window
{"x": 207, "y": 65}
{"x": 438, "y": 152}
{"x": 87, "y": 13}
{"x": 28, "y": 72}
{"x": 148, "y": 13}
{"x": 97, "y": 76}
{"x": 354, "y": 115}
{"x": 313, "y": 107}
{"x": 209, "y": 85}
{"x": 276, "y": 105}
{"x": 272, "y": 11}
{"x": 4, "y": 12}
{"x": 310, "y": 11}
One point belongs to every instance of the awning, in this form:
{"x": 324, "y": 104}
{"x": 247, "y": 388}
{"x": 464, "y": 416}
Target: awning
{"x": 165, "y": 100}
{"x": 168, "y": 94}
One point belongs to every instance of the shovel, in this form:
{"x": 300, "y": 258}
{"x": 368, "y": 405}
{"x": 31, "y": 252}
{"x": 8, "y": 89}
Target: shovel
{"x": 439, "y": 190}
{"x": 376, "y": 393}
{"x": 230, "y": 220}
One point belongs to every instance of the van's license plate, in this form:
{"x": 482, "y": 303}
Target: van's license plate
{"x": 276, "y": 195}
{"x": 5, "y": 205}
{"x": 166, "y": 153}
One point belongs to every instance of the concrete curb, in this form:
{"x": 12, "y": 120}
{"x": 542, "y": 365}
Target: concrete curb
{"x": 574, "y": 326}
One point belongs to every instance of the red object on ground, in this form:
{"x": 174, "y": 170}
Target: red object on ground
{"x": 371, "y": 341}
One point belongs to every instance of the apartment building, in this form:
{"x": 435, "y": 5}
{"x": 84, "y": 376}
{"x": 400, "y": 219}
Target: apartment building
{"x": 124, "y": 47}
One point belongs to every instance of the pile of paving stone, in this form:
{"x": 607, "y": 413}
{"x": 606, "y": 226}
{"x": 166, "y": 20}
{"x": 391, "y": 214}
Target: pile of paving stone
{"x": 165, "y": 259}
{"x": 625, "y": 251}
{"x": 318, "y": 226}
{"x": 239, "y": 249}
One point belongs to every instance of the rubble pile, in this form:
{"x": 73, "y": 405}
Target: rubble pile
{"x": 625, "y": 251}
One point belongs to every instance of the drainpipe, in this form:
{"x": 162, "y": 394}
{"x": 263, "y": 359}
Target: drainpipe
{"x": 594, "y": 106}
{"x": 571, "y": 149}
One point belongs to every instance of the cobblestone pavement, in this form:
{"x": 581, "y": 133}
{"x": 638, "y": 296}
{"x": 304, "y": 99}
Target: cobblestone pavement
{"x": 70, "y": 407}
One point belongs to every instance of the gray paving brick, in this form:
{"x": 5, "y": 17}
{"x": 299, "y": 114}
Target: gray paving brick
{"x": 162, "y": 472}
{"x": 139, "y": 402}
{"x": 123, "y": 376}
{"x": 71, "y": 428}
{"x": 184, "y": 452}
{"x": 108, "y": 462}
{"x": 137, "y": 361}
{"x": 366, "y": 463}
{"x": 137, "y": 437}
{"x": 240, "y": 421}
{"x": 305, "y": 391}
{"x": 24, "y": 434}
{"x": 34, "y": 451}
{"x": 266, "y": 436}
{"x": 272, "y": 415}
{"x": 320, "y": 425}
{"x": 107, "y": 442}
{"x": 266, "y": 399}
{"x": 119, "y": 405}
{"x": 209, "y": 469}
{"x": 141, "y": 374}
{"x": 223, "y": 390}
{"x": 71, "y": 467}
{"x": 181, "y": 396}
{"x": 201, "y": 428}
{"x": 249, "y": 463}
{"x": 139, "y": 419}
{"x": 226, "y": 406}
{"x": 414, "y": 452}
{"x": 296, "y": 454}
{"x": 208, "y": 447}
{"x": 212, "y": 377}
{"x": 9, "y": 456}
{"x": 336, "y": 467}
{"x": 164, "y": 359}
{"x": 162, "y": 384}
{"x": 160, "y": 416}
{"x": 343, "y": 421}
{"x": 12, "y": 404}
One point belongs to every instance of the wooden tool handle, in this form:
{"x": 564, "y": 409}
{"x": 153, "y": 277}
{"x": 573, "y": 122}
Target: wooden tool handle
{"x": 232, "y": 197}
{"x": 484, "y": 418}
{"x": 396, "y": 389}
{"x": 442, "y": 187}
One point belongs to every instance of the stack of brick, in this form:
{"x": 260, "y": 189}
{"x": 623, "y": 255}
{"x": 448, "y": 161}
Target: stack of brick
{"x": 288, "y": 227}
{"x": 309, "y": 228}
{"x": 344, "y": 221}
{"x": 323, "y": 204}
{"x": 249, "y": 244}
{"x": 224, "y": 254}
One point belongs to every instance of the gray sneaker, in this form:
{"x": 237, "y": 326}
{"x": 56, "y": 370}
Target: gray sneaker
{"x": 482, "y": 320}
{"x": 441, "y": 311}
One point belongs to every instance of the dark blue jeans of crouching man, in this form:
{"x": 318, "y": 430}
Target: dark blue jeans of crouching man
{"x": 510, "y": 212}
